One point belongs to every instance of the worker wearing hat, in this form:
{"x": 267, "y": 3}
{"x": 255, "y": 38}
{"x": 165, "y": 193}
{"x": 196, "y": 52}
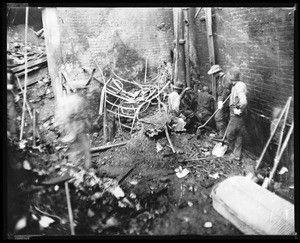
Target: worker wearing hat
{"x": 238, "y": 113}
{"x": 175, "y": 98}
{"x": 223, "y": 90}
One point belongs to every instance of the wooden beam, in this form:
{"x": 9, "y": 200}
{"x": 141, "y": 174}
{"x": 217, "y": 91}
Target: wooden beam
{"x": 211, "y": 49}
{"x": 30, "y": 64}
{"x": 180, "y": 70}
{"x": 53, "y": 48}
{"x": 187, "y": 45}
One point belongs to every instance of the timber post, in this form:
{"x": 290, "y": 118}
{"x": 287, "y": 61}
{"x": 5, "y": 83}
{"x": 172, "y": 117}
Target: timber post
{"x": 211, "y": 51}
{"x": 180, "y": 70}
{"x": 53, "y": 48}
{"x": 187, "y": 46}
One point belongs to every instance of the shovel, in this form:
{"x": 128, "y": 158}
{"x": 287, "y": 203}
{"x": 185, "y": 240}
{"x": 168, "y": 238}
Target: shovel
{"x": 198, "y": 129}
{"x": 220, "y": 148}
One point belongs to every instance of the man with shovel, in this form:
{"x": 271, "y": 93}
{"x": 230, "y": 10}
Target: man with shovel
{"x": 223, "y": 90}
{"x": 238, "y": 113}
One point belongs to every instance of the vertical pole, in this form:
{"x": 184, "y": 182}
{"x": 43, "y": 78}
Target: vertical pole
{"x": 181, "y": 54}
{"x": 53, "y": 48}
{"x": 211, "y": 50}
{"x": 146, "y": 70}
{"x": 34, "y": 127}
{"x": 104, "y": 118}
{"x": 180, "y": 57}
{"x": 25, "y": 81}
{"x": 69, "y": 208}
{"x": 187, "y": 46}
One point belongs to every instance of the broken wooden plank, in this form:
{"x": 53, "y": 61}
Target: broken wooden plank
{"x": 104, "y": 147}
{"x": 30, "y": 64}
{"x": 126, "y": 175}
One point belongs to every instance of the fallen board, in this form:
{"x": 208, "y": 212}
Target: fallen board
{"x": 253, "y": 209}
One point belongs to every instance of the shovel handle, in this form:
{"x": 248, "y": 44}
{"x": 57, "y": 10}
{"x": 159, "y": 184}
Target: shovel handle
{"x": 213, "y": 114}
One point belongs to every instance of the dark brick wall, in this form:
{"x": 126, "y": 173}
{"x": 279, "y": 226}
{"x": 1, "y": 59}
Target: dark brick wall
{"x": 261, "y": 42}
{"x": 119, "y": 37}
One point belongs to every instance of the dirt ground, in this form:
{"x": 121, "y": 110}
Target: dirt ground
{"x": 155, "y": 201}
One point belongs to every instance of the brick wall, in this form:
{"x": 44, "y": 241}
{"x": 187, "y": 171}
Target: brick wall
{"x": 120, "y": 38}
{"x": 261, "y": 42}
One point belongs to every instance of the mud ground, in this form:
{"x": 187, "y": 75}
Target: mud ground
{"x": 155, "y": 202}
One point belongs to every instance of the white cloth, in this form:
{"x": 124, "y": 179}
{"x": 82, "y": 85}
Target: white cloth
{"x": 220, "y": 105}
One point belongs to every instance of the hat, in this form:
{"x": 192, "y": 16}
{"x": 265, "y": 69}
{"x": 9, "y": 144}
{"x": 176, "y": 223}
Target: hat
{"x": 234, "y": 74}
{"x": 214, "y": 69}
{"x": 10, "y": 62}
{"x": 178, "y": 85}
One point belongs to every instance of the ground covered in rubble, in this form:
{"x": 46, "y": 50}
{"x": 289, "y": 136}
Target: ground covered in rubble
{"x": 138, "y": 188}
{"x": 130, "y": 190}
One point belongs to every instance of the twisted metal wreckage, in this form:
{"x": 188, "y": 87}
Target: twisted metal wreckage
{"x": 122, "y": 103}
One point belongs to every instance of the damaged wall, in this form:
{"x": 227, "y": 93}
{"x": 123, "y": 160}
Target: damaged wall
{"x": 119, "y": 37}
{"x": 261, "y": 42}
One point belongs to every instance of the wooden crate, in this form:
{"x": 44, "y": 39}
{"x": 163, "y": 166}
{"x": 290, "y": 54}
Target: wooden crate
{"x": 253, "y": 209}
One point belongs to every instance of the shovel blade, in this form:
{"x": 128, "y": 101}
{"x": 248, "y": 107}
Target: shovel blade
{"x": 219, "y": 150}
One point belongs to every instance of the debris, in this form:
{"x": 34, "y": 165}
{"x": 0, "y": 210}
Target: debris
{"x": 90, "y": 213}
{"x": 111, "y": 222}
{"x": 26, "y": 165}
{"x": 283, "y": 170}
{"x": 117, "y": 192}
{"x": 22, "y": 144}
{"x": 21, "y": 224}
{"x": 207, "y": 183}
{"x": 169, "y": 139}
{"x": 181, "y": 172}
{"x": 45, "y": 221}
{"x": 208, "y": 225}
{"x": 212, "y": 135}
{"x": 159, "y": 147}
{"x": 190, "y": 204}
{"x": 96, "y": 149}
{"x": 30, "y": 64}
{"x": 215, "y": 176}
{"x": 133, "y": 182}
{"x": 69, "y": 208}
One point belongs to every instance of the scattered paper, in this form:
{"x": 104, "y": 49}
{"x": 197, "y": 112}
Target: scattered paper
{"x": 21, "y": 223}
{"x": 22, "y": 144}
{"x": 208, "y": 225}
{"x": 34, "y": 217}
{"x": 26, "y": 165}
{"x": 45, "y": 221}
{"x": 56, "y": 188}
{"x": 283, "y": 170}
{"x": 133, "y": 182}
{"x": 159, "y": 147}
{"x": 117, "y": 192}
{"x": 190, "y": 204}
{"x": 181, "y": 172}
{"x": 214, "y": 176}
